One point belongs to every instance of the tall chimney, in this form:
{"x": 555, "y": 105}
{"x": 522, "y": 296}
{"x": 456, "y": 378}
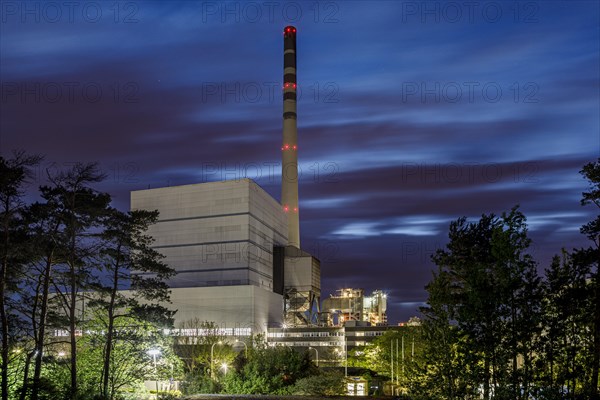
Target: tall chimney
{"x": 289, "y": 149}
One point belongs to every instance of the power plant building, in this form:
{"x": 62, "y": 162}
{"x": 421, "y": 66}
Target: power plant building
{"x": 235, "y": 249}
{"x": 219, "y": 237}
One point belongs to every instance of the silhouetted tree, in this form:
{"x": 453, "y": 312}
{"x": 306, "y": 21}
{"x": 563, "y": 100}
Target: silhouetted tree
{"x": 565, "y": 325}
{"x": 45, "y": 227}
{"x": 14, "y": 173}
{"x": 443, "y": 371}
{"x": 489, "y": 295}
{"x": 126, "y": 249}
{"x": 82, "y": 210}
{"x": 590, "y": 259}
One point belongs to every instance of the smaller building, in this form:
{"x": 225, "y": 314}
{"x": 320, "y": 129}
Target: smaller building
{"x": 352, "y": 305}
{"x": 330, "y": 343}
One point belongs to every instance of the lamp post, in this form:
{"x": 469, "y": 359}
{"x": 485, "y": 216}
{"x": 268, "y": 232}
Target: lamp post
{"x": 245, "y": 347}
{"x": 212, "y": 348}
{"x": 392, "y": 358}
{"x": 345, "y": 354}
{"x": 317, "y": 353}
{"x": 154, "y": 353}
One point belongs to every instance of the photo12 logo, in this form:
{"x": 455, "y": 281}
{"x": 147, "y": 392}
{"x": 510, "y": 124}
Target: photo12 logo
{"x": 52, "y": 12}
{"x": 470, "y": 173}
{"x": 269, "y": 172}
{"x": 69, "y": 92}
{"x": 326, "y": 12}
{"x": 470, "y": 12}
{"x": 266, "y": 92}
{"x": 469, "y": 92}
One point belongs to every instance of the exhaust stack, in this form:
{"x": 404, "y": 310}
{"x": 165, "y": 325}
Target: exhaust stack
{"x": 289, "y": 149}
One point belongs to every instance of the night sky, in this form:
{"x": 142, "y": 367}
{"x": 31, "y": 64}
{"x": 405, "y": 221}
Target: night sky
{"x": 411, "y": 114}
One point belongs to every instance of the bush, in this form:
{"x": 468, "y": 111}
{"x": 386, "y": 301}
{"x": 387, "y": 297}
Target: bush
{"x": 170, "y": 395}
{"x": 197, "y": 383}
{"x": 329, "y": 383}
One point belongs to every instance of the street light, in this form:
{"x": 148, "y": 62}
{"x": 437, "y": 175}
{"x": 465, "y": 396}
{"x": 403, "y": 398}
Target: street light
{"x": 245, "y": 347}
{"x": 212, "y": 348}
{"x": 317, "y": 352}
{"x": 345, "y": 354}
{"x": 224, "y": 367}
{"x": 154, "y": 353}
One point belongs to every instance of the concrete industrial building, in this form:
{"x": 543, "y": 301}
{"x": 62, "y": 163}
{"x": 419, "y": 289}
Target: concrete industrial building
{"x": 220, "y": 238}
{"x": 235, "y": 249}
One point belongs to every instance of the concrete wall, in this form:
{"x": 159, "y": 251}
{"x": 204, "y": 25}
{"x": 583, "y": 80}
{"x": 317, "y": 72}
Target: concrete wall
{"x": 243, "y": 308}
{"x": 216, "y": 233}
{"x": 219, "y": 237}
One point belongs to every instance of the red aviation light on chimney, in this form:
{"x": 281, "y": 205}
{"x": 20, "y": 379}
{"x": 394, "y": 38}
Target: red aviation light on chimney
{"x": 286, "y": 208}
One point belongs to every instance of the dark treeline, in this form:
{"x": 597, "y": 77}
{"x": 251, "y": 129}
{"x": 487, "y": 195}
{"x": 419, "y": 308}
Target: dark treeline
{"x": 494, "y": 329}
{"x": 64, "y": 262}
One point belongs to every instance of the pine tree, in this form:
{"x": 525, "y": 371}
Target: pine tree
{"x": 590, "y": 259}
{"x": 443, "y": 370}
{"x": 14, "y": 174}
{"x": 128, "y": 261}
{"x": 493, "y": 295}
{"x": 82, "y": 210}
{"x": 565, "y": 324}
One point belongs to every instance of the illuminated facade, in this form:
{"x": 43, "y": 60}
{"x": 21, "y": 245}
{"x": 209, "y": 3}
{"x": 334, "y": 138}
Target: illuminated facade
{"x": 352, "y": 305}
{"x": 220, "y": 238}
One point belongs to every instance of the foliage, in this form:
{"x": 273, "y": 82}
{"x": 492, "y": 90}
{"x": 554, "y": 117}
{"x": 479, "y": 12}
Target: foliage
{"x": 492, "y": 327}
{"x": 14, "y": 174}
{"x": 130, "y": 362}
{"x": 61, "y": 243}
{"x": 483, "y": 309}
{"x": 441, "y": 368}
{"x": 324, "y": 383}
{"x": 126, "y": 248}
{"x": 268, "y": 370}
{"x": 398, "y": 347}
{"x": 196, "y": 383}
{"x": 81, "y": 209}
{"x": 589, "y": 260}
{"x": 194, "y": 345}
